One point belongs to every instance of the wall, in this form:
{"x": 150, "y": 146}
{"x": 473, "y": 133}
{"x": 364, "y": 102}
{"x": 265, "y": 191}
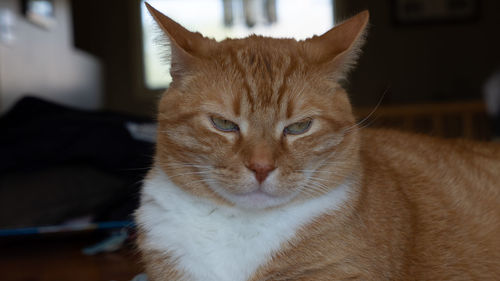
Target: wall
{"x": 414, "y": 64}
{"x": 422, "y": 63}
{"x": 113, "y": 33}
{"x": 44, "y": 63}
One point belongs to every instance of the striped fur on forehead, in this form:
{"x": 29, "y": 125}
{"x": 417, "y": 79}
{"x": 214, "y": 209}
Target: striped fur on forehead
{"x": 266, "y": 68}
{"x": 256, "y": 78}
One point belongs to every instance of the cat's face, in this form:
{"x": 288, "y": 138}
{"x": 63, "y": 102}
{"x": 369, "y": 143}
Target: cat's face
{"x": 255, "y": 123}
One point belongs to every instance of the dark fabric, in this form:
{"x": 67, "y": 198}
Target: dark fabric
{"x": 496, "y": 126}
{"x": 51, "y": 196}
{"x": 36, "y": 134}
{"x": 58, "y": 162}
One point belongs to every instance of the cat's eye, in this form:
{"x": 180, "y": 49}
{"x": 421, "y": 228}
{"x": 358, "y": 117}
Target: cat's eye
{"x": 298, "y": 128}
{"x": 224, "y": 125}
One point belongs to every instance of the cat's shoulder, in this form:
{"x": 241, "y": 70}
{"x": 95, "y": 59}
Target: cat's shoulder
{"x": 424, "y": 163}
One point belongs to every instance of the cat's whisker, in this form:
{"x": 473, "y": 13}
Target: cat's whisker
{"x": 365, "y": 125}
{"x": 314, "y": 180}
{"x": 187, "y": 165}
{"x": 311, "y": 189}
{"x": 190, "y": 173}
{"x": 307, "y": 190}
{"x": 317, "y": 171}
{"x": 318, "y": 186}
{"x": 305, "y": 171}
{"x": 200, "y": 181}
{"x": 321, "y": 174}
{"x": 180, "y": 169}
{"x": 320, "y": 179}
{"x": 360, "y": 124}
{"x": 323, "y": 186}
{"x": 324, "y": 162}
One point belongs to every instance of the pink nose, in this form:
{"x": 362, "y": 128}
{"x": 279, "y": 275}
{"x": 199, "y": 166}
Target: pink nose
{"x": 261, "y": 161}
{"x": 261, "y": 170}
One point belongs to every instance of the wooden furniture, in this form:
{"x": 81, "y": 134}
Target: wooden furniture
{"x": 59, "y": 258}
{"x": 459, "y": 119}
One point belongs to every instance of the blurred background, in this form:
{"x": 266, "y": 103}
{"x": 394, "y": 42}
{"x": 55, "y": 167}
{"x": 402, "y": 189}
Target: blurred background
{"x": 80, "y": 79}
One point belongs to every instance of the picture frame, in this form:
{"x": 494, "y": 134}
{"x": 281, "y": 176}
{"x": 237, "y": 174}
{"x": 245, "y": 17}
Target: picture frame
{"x": 417, "y": 12}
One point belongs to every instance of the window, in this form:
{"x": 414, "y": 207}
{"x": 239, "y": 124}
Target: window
{"x": 219, "y": 19}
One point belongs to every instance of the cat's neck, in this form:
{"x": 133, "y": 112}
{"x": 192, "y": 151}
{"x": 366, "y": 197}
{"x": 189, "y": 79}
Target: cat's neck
{"x": 205, "y": 235}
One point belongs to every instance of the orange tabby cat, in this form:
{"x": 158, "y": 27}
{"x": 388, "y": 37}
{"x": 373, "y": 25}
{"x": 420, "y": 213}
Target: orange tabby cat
{"x": 261, "y": 173}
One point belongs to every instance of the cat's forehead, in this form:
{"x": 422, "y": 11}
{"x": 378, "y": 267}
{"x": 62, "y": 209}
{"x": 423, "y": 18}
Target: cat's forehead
{"x": 263, "y": 73}
{"x": 258, "y": 51}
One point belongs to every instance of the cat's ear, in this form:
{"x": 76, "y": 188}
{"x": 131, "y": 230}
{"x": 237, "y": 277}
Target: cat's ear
{"x": 186, "y": 47}
{"x": 339, "y": 47}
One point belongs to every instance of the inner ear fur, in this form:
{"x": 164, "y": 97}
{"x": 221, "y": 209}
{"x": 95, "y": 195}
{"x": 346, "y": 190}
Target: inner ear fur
{"x": 339, "y": 47}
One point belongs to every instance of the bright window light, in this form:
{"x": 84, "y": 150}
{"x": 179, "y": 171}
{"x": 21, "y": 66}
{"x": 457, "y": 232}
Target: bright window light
{"x": 221, "y": 19}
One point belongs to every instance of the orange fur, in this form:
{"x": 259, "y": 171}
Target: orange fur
{"x": 421, "y": 208}
{"x": 428, "y": 209}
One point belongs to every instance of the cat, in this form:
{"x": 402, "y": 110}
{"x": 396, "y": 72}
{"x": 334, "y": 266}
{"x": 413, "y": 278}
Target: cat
{"x": 262, "y": 173}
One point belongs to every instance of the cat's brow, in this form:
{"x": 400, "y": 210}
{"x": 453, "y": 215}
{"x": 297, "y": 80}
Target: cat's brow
{"x": 264, "y": 76}
{"x": 213, "y": 108}
{"x": 242, "y": 72}
{"x": 291, "y": 67}
{"x": 301, "y": 115}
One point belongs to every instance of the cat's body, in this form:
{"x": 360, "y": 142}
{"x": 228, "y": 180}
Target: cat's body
{"x": 291, "y": 189}
{"x": 400, "y": 223}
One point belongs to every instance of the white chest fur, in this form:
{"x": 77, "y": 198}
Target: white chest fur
{"x": 212, "y": 242}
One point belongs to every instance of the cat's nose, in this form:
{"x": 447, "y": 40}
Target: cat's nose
{"x": 261, "y": 169}
{"x": 261, "y": 162}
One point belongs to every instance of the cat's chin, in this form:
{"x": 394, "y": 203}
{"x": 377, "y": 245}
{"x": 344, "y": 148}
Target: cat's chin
{"x": 257, "y": 199}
